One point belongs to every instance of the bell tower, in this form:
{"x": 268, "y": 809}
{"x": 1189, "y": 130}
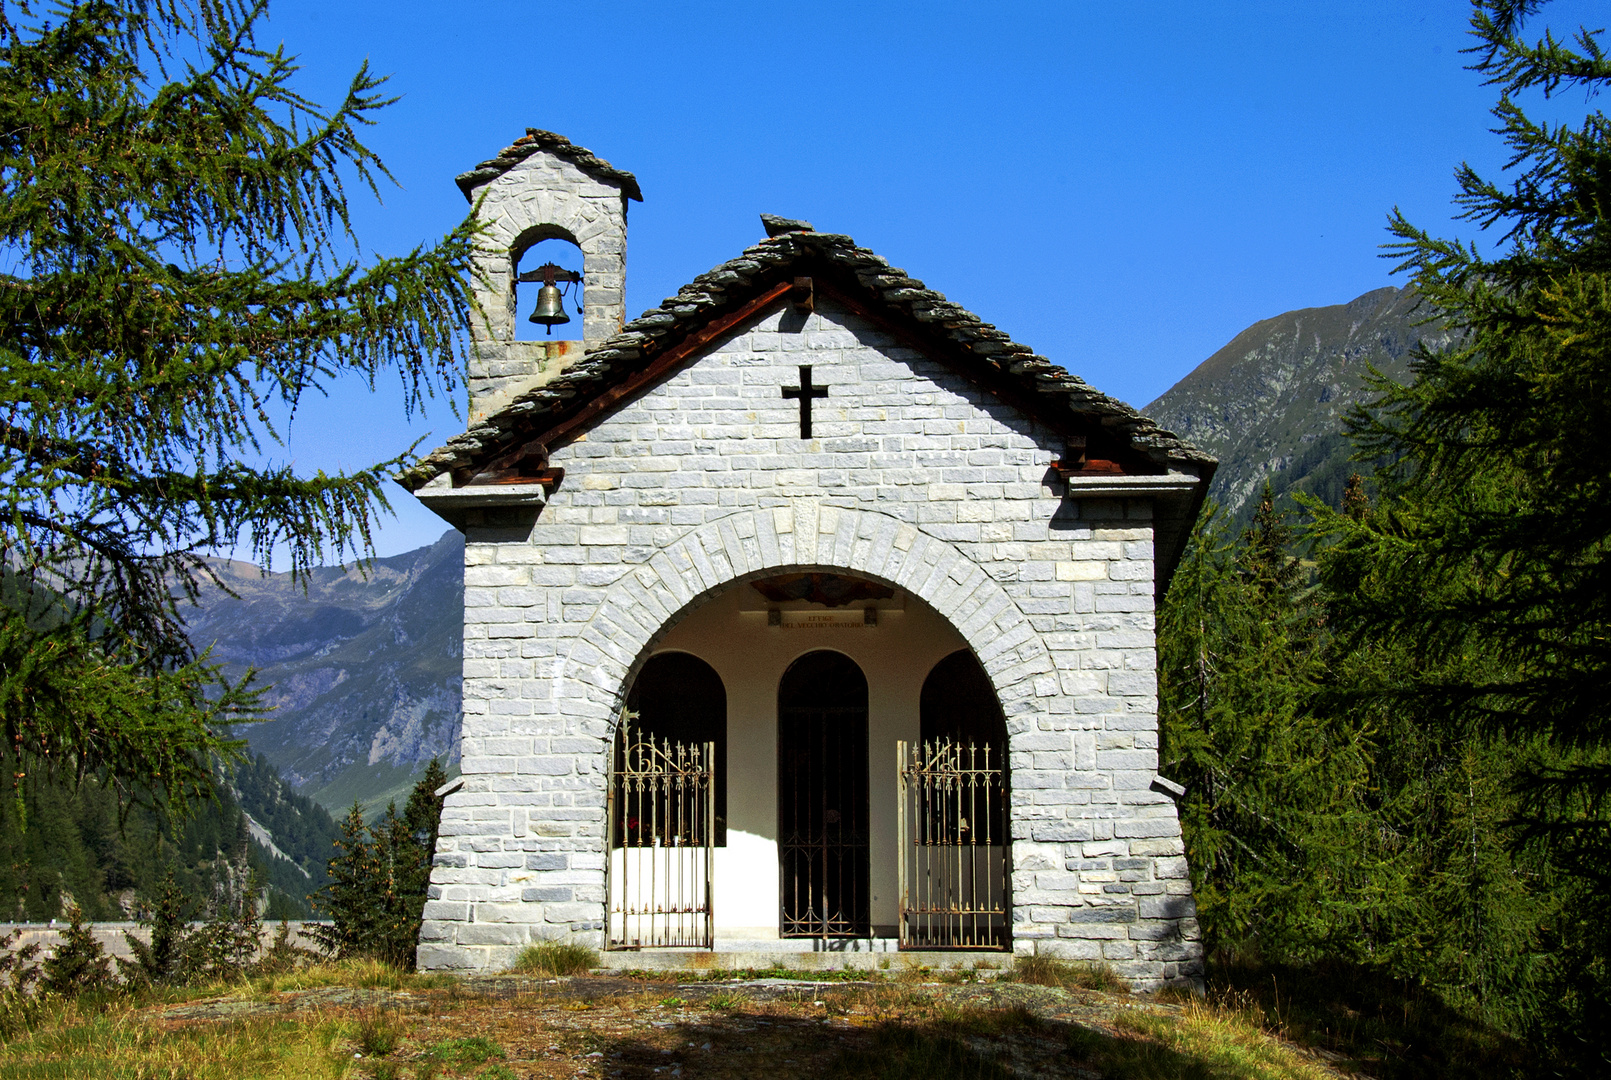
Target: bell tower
{"x": 544, "y": 187}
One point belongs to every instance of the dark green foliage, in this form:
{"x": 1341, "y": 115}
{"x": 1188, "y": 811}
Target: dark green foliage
{"x": 1482, "y": 577}
{"x": 20, "y": 1006}
{"x": 78, "y": 964}
{"x": 301, "y": 828}
{"x": 182, "y": 270}
{"x": 1488, "y": 559}
{"x": 379, "y": 878}
{"x": 1322, "y": 824}
{"x": 160, "y": 960}
{"x": 61, "y": 841}
{"x": 1440, "y": 708}
{"x": 1273, "y": 813}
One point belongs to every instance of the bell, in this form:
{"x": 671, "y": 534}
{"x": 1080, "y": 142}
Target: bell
{"x": 550, "y": 311}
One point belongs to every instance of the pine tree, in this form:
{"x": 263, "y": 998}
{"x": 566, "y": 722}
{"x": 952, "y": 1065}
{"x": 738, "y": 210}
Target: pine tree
{"x": 182, "y": 269}
{"x": 160, "y": 960}
{"x": 350, "y": 900}
{"x": 380, "y": 875}
{"x": 78, "y": 964}
{"x": 1488, "y": 556}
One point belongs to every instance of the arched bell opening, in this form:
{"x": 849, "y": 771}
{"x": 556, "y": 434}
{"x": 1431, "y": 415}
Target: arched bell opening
{"x": 548, "y": 286}
{"x": 954, "y": 799}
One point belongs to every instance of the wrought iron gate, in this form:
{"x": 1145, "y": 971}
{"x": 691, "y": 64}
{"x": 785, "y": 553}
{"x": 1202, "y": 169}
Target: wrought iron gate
{"x": 662, "y": 818}
{"x": 953, "y": 845}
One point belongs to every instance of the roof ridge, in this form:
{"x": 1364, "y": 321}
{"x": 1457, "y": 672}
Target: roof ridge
{"x": 537, "y": 139}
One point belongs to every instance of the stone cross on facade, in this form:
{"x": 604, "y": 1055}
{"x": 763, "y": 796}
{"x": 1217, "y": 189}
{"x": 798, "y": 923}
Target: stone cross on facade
{"x": 805, "y": 392}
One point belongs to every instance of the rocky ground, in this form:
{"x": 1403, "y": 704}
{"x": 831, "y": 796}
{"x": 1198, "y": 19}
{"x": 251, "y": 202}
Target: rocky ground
{"x": 589, "y": 1026}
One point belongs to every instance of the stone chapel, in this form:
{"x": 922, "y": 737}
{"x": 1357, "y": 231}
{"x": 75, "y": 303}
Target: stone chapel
{"x": 805, "y": 612}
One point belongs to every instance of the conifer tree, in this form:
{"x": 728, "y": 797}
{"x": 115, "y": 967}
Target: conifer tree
{"x": 379, "y": 878}
{"x": 182, "y": 270}
{"x": 1272, "y": 815}
{"x": 160, "y": 960}
{"x": 1488, "y": 556}
{"x": 350, "y": 900}
{"x": 78, "y": 964}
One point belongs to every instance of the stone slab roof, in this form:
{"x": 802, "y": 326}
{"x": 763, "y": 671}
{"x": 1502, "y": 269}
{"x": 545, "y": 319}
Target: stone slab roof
{"x": 537, "y": 139}
{"x": 989, "y": 352}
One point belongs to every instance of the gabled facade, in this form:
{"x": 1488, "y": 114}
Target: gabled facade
{"x": 844, "y": 542}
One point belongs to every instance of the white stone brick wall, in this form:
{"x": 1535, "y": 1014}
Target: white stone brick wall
{"x": 915, "y": 478}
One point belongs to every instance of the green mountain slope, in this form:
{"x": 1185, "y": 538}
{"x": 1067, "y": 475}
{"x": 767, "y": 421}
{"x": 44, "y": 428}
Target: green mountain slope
{"x": 64, "y": 841}
{"x": 1270, "y": 404}
{"x": 363, "y": 668}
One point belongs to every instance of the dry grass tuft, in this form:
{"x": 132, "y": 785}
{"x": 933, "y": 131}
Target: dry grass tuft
{"x": 1203, "y": 1039}
{"x": 380, "y": 1031}
{"x": 555, "y": 959}
{"x": 1048, "y": 971}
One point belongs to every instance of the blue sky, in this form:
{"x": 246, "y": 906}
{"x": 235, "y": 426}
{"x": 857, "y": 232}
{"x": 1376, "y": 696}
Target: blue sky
{"x": 1124, "y": 187}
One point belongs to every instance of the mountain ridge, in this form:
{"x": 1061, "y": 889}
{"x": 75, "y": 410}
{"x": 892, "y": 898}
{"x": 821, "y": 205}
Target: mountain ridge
{"x": 1270, "y": 403}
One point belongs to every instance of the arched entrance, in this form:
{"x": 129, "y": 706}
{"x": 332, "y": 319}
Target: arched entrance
{"x": 823, "y": 835}
{"x": 803, "y": 652}
{"x": 666, "y": 806}
{"x": 680, "y": 699}
{"x": 953, "y": 797}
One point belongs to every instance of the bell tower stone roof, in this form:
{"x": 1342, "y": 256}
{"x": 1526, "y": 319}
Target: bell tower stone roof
{"x": 544, "y": 187}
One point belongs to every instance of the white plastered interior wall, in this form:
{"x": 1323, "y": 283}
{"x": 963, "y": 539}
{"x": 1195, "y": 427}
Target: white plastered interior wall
{"x": 731, "y": 634}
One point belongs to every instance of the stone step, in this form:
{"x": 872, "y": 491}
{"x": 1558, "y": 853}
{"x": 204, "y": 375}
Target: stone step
{"x": 876, "y": 954}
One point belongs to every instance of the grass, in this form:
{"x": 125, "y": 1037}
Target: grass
{"x": 413, "y": 1029}
{"x": 470, "y": 1050}
{"x": 380, "y": 1031}
{"x": 1203, "y": 1040}
{"x": 1366, "y": 1019}
{"x": 116, "y": 1044}
{"x": 555, "y": 959}
{"x": 364, "y": 973}
{"x": 1040, "y": 970}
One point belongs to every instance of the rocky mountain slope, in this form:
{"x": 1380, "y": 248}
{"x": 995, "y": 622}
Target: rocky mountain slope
{"x": 1270, "y": 404}
{"x": 363, "y": 672}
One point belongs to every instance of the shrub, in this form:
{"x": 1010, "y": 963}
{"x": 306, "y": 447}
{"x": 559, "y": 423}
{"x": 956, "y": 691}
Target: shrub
{"x": 281, "y": 957}
{"x": 20, "y": 1007}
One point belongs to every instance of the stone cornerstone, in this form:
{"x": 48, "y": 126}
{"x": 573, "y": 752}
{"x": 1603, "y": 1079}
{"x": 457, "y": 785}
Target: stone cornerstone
{"x": 625, "y": 485}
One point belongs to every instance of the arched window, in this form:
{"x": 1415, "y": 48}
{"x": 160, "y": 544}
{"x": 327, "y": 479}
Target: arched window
{"x": 959, "y": 703}
{"x": 677, "y": 696}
